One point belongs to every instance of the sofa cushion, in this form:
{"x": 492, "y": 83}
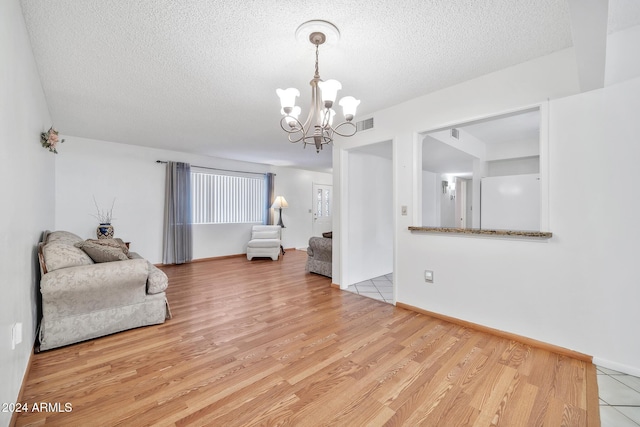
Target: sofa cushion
{"x": 264, "y": 243}
{"x": 63, "y": 237}
{"x": 102, "y": 253}
{"x": 58, "y": 254}
{"x": 266, "y": 234}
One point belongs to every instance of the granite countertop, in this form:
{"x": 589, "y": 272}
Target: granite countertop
{"x": 501, "y": 233}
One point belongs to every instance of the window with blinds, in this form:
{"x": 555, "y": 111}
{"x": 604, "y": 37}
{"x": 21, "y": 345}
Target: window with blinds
{"x": 225, "y": 199}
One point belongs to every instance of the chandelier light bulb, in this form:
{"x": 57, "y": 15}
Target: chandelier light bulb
{"x": 292, "y": 117}
{"x": 329, "y": 91}
{"x": 349, "y": 106}
{"x": 288, "y": 98}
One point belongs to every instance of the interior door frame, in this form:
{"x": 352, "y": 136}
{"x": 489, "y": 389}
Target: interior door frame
{"x": 341, "y": 273}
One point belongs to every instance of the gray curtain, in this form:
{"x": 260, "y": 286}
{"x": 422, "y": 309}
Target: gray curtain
{"x": 270, "y": 187}
{"x": 177, "y": 247}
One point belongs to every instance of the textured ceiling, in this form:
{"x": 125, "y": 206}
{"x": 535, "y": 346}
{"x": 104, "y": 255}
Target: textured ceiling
{"x": 200, "y": 76}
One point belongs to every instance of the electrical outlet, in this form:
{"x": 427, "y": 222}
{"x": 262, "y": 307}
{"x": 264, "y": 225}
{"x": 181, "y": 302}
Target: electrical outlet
{"x": 403, "y": 210}
{"x": 16, "y": 335}
{"x": 428, "y": 276}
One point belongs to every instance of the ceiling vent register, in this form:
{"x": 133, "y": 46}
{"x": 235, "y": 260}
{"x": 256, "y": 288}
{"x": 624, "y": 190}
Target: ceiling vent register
{"x": 364, "y": 124}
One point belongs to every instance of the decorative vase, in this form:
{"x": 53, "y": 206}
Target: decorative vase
{"x": 105, "y": 231}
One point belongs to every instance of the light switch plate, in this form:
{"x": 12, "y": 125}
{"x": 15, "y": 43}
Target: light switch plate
{"x": 428, "y": 276}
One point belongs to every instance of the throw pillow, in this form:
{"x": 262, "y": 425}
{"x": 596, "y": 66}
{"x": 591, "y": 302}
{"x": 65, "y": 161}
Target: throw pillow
{"x": 113, "y": 243}
{"x": 102, "y": 253}
{"x": 64, "y": 237}
{"x": 59, "y": 255}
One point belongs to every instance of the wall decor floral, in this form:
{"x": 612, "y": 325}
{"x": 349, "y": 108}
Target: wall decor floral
{"x": 50, "y": 140}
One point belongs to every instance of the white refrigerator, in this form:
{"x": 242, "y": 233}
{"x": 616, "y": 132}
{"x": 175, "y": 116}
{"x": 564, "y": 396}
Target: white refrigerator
{"x": 510, "y": 202}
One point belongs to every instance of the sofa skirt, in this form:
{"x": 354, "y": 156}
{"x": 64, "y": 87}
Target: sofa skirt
{"x": 67, "y": 330}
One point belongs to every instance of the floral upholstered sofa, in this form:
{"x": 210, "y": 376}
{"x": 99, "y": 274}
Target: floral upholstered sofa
{"x": 319, "y": 256}
{"x": 94, "y": 288}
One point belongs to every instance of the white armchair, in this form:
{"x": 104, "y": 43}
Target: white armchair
{"x": 265, "y": 242}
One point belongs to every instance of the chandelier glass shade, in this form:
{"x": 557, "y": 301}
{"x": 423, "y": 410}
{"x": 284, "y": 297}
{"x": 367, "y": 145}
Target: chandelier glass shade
{"x": 318, "y": 128}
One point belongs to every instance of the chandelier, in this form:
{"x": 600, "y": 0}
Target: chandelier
{"x": 318, "y": 129}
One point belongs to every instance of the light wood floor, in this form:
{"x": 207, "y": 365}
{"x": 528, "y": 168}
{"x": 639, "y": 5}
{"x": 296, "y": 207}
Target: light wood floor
{"x": 263, "y": 343}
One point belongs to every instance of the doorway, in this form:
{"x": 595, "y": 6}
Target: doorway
{"x": 368, "y": 246}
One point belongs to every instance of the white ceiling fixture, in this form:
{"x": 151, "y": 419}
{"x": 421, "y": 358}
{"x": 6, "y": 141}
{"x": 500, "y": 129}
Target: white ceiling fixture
{"x": 318, "y": 128}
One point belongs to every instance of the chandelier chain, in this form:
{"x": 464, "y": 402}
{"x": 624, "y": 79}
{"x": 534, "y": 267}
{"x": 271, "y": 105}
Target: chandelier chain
{"x": 317, "y": 75}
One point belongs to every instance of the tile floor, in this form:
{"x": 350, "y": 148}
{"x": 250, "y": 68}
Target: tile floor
{"x": 619, "y": 393}
{"x": 619, "y": 399}
{"x": 380, "y": 288}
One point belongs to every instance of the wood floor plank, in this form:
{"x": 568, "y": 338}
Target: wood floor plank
{"x": 260, "y": 343}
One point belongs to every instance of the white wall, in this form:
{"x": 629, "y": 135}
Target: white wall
{"x": 130, "y": 174}
{"x": 576, "y": 290}
{"x": 447, "y": 203}
{"x": 599, "y": 130}
{"x": 623, "y": 62}
{"x": 431, "y": 190}
{"x": 27, "y": 194}
{"x": 370, "y": 217}
{"x": 512, "y": 149}
{"x": 517, "y": 166}
{"x": 513, "y": 157}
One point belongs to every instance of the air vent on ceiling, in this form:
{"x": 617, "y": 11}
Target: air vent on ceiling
{"x": 364, "y": 124}
{"x": 455, "y": 133}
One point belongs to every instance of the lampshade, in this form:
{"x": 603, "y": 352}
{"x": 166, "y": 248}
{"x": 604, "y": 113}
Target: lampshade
{"x": 349, "y": 105}
{"x": 280, "y": 203}
{"x": 329, "y": 91}
{"x": 288, "y": 97}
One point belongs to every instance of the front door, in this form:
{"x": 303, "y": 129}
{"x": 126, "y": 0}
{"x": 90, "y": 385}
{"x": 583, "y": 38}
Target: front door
{"x": 322, "y": 206}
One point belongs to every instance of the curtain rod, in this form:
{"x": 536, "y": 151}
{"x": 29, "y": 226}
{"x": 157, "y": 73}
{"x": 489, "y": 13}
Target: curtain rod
{"x": 218, "y": 169}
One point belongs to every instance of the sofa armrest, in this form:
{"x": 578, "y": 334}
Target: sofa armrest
{"x": 321, "y": 248}
{"x": 88, "y": 288}
{"x": 157, "y": 281}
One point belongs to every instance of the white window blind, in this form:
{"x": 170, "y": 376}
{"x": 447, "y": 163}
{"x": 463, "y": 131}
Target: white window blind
{"x": 223, "y": 199}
